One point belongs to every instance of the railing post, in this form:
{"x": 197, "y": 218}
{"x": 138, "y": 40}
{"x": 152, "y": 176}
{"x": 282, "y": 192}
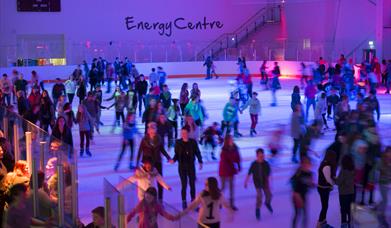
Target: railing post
{"x": 75, "y": 186}
{"x": 16, "y": 142}
{"x": 60, "y": 192}
{"x": 107, "y": 213}
{"x": 28, "y": 149}
{"x": 42, "y": 155}
{"x": 5, "y": 126}
{"x": 121, "y": 212}
{"x": 34, "y": 172}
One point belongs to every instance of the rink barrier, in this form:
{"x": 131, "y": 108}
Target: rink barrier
{"x": 48, "y": 74}
{"x": 35, "y": 189}
{"x": 114, "y": 205}
{"x": 107, "y": 212}
{"x": 61, "y": 196}
{"x": 5, "y": 127}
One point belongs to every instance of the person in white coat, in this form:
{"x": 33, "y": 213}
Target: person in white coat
{"x": 70, "y": 88}
{"x": 146, "y": 176}
{"x": 255, "y": 110}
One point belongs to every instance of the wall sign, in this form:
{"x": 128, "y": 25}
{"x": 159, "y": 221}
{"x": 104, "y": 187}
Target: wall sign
{"x": 38, "y": 5}
{"x": 166, "y": 28}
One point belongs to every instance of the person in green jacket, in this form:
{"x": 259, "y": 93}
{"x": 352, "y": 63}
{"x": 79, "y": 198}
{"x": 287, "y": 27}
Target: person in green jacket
{"x": 194, "y": 109}
{"x": 230, "y": 117}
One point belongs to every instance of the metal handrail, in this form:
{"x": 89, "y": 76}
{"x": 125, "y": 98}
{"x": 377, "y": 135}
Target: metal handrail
{"x": 243, "y": 27}
{"x": 251, "y": 19}
{"x": 357, "y": 47}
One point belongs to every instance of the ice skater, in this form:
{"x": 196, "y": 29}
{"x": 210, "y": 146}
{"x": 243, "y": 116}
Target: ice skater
{"x": 145, "y": 176}
{"x": 302, "y": 181}
{"x": 148, "y": 210}
{"x": 255, "y": 110}
{"x": 129, "y": 132}
{"x": 120, "y": 105}
{"x": 260, "y": 171}
{"x": 186, "y": 151}
{"x": 275, "y": 83}
{"x": 210, "y": 200}
{"x": 264, "y": 75}
{"x": 208, "y": 64}
{"x": 229, "y": 166}
{"x": 212, "y": 137}
{"x": 231, "y": 118}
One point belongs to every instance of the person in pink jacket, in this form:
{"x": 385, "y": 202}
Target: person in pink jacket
{"x": 148, "y": 210}
{"x": 229, "y": 166}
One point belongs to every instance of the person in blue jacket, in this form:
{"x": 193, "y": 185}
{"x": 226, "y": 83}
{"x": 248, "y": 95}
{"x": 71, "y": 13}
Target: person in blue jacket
{"x": 230, "y": 117}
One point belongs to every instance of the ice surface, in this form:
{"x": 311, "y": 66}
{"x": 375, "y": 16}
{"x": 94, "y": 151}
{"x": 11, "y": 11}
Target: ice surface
{"x": 215, "y": 94}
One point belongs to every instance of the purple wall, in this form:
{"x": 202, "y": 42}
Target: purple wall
{"x": 99, "y": 22}
{"x": 387, "y": 29}
{"x": 102, "y": 21}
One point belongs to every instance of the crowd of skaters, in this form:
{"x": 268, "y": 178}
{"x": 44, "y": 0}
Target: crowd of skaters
{"x": 356, "y": 151}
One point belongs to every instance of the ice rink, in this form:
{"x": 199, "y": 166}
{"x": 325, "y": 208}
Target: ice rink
{"x": 215, "y": 94}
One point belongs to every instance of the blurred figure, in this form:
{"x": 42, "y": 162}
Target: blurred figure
{"x": 302, "y": 181}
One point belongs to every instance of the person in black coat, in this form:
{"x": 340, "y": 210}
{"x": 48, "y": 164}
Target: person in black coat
{"x": 23, "y": 104}
{"x": 141, "y": 89}
{"x": 186, "y": 150}
{"x": 63, "y": 133}
{"x": 57, "y": 91}
{"x": 93, "y": 78}
{"x": 164, "y": 129}
{"x": 46, "y": 112}
{"x": 151, "y": 147}
{"x": 81, "y": 91}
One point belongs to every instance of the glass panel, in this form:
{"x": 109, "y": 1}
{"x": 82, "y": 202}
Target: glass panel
{"x": 111, "y": 192}
{"x": 129, "y": 191}
{"x": 48, "y": 152}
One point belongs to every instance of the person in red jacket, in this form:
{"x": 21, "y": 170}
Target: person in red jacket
{"x": 34, "y": 100}
{"x": 229, "y": 166}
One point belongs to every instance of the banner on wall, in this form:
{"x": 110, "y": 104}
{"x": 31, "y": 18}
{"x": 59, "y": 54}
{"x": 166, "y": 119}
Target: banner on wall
{"x": 167, "y": 28}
